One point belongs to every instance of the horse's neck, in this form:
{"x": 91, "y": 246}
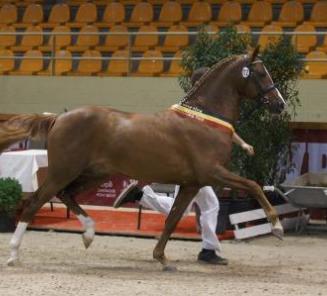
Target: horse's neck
{"x": 220, "y": 99}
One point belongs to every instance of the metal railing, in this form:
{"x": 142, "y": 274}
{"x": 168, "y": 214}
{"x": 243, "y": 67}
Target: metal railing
{"x": 130, "y": 58}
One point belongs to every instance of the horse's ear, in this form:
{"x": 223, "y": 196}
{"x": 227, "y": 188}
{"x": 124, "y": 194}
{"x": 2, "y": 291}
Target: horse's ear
{"x": 255, "y": 53}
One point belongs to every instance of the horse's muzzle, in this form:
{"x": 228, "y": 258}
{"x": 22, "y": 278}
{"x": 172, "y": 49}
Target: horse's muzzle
{"x": 278, "y": 107}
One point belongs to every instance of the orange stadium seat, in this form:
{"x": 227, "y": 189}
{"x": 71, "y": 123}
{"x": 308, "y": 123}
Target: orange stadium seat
{"x": 120, "y": 66}
{"x": 175, "y": 67}
{"x": 171, "y": 13}
{"x": 316, "y": 69}
{"x": 8, "y": 14}
{"x": 30, "y": 41}
{"x": 260, "y": 14}
{"x": 61, "y": 41}
{"x": 309, "y": 1}
{"x": 151, "y": 65}
{"x": 145, "y": 42}
{"x": 87, "y": 13}
{"x": 91, "y": 66}
{"x": 114, "y": 13}
{"x": 59, "y": 14}
{"x": 62, "y": 64}
{"x": 304, "y": 43}
{"x": 8, "y": 64}
{"x": 33, "y": 15}
{"x": 318, "y": 15}
{"x": 31, "y": 64}
{"x": 292, "y": 13}
{"x": 132, "y": 2}
{"x": 115, "y": 42}
{"x": 173, "y": 43}
{"x": 265, "y": 40}
{"x": 85, "y": 42}
{"x": 141, "y": 14}
{"x": 229, "y": 13}
{"x": 7, "y": 40}
{"x": 200, "y": 13}
{"x": 27, "y": 2}
{"x": 15, "y": 2}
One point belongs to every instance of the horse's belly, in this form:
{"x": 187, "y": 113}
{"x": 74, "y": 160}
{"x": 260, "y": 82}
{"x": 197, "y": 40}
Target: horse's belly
{"x": 152, "y": 158}
{"x": 154, "y": 166}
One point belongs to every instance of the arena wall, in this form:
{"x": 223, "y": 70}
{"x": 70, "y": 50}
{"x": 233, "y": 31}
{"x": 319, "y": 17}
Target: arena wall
{"x": 148, "y": 94}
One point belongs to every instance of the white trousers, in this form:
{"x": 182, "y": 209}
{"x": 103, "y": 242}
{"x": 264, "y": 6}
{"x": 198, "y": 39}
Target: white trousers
{"x": 208, "y": 203}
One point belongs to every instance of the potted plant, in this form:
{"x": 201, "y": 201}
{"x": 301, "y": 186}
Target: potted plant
{"x": 10, "y": 195}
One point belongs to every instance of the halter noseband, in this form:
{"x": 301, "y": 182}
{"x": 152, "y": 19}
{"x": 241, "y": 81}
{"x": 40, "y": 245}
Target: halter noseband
{"x": 261, "y": 91}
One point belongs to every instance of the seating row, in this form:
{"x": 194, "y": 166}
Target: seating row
{"x": 134, "y": 2}
{"x": 91, "y": 62}
{"x": 260, "y": 14}
{"x": 120, "y": 63}
{"x": 89, "y": 37}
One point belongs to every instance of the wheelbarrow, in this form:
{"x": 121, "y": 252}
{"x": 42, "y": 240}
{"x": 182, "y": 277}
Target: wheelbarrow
{"x": 308, "y": 191}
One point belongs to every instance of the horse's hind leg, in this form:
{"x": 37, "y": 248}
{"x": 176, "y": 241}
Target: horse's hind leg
{"x": 45, "y": 192}
{"x": 83, "y": 217}
{"x": 222, "y": 175}
{"x": 182, "y": 200}
{"x": 82, "y": 183}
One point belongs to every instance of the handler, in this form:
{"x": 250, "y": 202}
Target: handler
{"x": 206, "y": 199}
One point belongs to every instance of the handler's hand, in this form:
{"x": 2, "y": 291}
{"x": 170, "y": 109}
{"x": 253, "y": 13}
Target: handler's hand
{"x": 248, "y": 149}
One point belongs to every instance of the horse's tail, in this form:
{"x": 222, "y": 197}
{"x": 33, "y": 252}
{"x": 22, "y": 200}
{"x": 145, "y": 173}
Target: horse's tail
{"x": 23, "y": 126}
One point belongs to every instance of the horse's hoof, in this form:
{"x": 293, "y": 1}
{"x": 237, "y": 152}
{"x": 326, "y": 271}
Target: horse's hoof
{"x": 278, "y": 232}
{"x": 169, "y": 268}
{"x": 13, "y": 262}
{"x": 87, "y": 240}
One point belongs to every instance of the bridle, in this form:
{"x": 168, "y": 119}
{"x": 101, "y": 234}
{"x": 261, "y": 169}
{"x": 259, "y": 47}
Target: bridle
{"x": 253, "y": 75}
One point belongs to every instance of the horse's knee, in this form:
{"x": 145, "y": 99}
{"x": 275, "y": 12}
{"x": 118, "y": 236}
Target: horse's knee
{"x": 254, "y": 187}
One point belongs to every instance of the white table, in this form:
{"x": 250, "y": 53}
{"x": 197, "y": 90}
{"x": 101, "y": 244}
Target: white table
{"x": 23, "y": 166}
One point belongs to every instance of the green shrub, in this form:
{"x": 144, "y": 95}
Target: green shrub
{"x": 270, "y": 135}
{"x": 10, "y": 195}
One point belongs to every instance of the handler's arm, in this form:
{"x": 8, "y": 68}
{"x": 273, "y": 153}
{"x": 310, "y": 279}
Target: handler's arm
{"x": 245, "y": 146}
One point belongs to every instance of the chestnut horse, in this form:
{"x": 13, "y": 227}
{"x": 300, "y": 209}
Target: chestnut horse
{"x": 188, "y": 144}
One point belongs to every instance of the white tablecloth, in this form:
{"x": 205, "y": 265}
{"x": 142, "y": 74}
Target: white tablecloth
{"x": 23, "y": 166}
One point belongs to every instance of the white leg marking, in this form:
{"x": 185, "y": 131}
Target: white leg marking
{"x": 15, "y": 243}
{"x": 278, "y": 230}
{"x": 88, "y": 225}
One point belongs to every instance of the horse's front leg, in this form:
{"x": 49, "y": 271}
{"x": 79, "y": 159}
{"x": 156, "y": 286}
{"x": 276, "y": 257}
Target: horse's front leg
{"x": 182, "y": 200}
{"x": 222, "y": 175}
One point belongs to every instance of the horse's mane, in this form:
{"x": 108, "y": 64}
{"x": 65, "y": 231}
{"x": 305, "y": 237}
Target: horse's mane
{"x": 209, "y": 74}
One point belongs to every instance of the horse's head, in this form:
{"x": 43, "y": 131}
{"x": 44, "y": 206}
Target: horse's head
{"x": 258, "y": 85}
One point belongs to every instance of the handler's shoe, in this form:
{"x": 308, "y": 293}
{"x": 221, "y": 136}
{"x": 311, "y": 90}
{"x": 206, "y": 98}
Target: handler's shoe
{"x": 131, "y": 193}
{"x": 210, "y": 257}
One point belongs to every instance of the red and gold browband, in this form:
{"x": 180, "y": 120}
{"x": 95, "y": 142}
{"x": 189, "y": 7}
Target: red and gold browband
{"x": 212, "y": 121}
